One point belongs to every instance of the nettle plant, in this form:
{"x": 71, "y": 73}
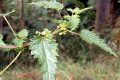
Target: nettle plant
{"x": 43, "y": 46}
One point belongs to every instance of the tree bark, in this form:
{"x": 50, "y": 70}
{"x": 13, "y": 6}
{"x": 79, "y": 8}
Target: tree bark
{"x": 1, "y": 19}
{"x": 103, "y": 8}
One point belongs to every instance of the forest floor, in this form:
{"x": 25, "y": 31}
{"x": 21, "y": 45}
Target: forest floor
{"x": 68, "y": 70}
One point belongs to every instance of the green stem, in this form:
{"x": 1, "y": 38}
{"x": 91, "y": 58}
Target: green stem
{"x": 73, "y": 32}
{"x": 56, "y": 31}
{"x": 60, "y": 15}
{"x": 67, "y": 24}
{"x": 10, "y": 26}
{"x": 60, "y": 29}
{"x": 11, "y": 63}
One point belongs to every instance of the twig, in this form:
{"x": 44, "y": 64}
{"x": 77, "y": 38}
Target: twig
{"x": 13, "y": 47}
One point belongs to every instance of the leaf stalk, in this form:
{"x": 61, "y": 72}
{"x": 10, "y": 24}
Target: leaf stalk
{"x": 60, "y": 15}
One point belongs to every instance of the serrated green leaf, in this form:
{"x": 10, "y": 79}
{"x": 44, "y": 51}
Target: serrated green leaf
{"x": 23, "y": 33}
{"x": 18, "y": 42}
{"x": 45, "y": 51}
{"x": 48, "y": 4}
{"x": 74, "y": 21}
{"x": 1, "y": 41}
{"x": 77, "y": 10}
{"x": 1, "y": 36}
{"x": 60, "y": 22}
{"x": 91, "y": 38}
{"x": 2, "y": 15}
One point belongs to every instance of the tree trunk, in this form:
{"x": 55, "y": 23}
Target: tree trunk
{"x": 103, "y": 8}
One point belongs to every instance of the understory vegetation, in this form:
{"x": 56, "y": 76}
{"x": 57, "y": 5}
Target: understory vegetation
{"x": 68, "y": 70}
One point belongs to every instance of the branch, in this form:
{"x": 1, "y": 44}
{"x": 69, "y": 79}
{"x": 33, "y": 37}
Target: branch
{"x": 13, "y": 47}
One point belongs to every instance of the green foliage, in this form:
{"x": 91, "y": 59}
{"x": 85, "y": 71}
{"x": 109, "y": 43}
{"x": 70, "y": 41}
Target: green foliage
{"x": 74, "y": 21}
{"x": 2, "y": 15}
{"x": 60, "y": 22}
{"x": 1, "y": 36}
{"x": 18, "y": 42}
{"x": 23, "y": 33}
{"x": 45, "y": 51}
{"x": 77, "y": 10}
{"x": 1, "y": 42}
{"x": 91, "y": 38}
{"x": 48, "y": 4}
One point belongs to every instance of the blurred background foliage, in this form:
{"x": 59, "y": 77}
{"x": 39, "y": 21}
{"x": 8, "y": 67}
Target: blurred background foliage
{"x": 35, "y": 19}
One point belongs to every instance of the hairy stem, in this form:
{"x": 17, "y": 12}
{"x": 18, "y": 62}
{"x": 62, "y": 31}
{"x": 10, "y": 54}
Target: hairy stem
{"x": 10, "y": 26}
{"x": 13, "y": 47}
{"x": 11, "y": 63}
